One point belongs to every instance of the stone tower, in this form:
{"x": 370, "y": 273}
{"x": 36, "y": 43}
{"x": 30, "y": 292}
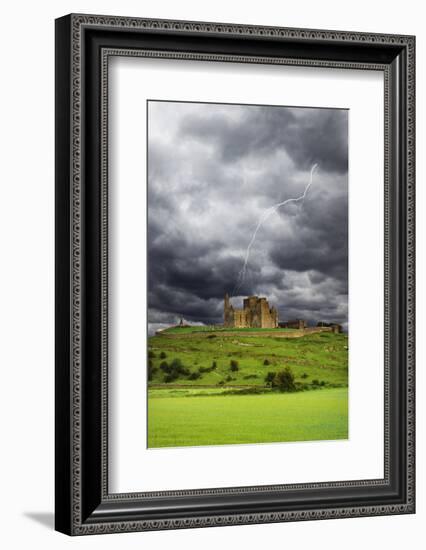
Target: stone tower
{"x": 256, "y": 313}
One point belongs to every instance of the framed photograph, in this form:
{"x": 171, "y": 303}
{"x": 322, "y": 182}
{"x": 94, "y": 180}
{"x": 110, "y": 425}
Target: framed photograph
{"x": 234, "y": 274}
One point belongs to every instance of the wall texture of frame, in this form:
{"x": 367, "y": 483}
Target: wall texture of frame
{"x": 84, "y": 44}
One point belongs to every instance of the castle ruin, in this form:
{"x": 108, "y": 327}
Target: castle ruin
{"x": 256, "y": 313}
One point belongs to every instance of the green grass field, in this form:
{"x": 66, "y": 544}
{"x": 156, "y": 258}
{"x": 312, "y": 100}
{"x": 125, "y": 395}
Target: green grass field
{"x": 201, "y": 407}
{"x": 226, "y": 419}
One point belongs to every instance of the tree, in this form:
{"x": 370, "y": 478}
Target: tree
{"x": 164, "y": 366}
{"x": 234, "y": 365}
{"x": 284, "y": 380}
{"x": 178, "y": 368}
{"x": 269, "y": 378}
{"x": 151, "y": 370}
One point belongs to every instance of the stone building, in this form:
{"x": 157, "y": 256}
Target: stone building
{"x": 256, "y": 313}
{"x": 336, "y": 327}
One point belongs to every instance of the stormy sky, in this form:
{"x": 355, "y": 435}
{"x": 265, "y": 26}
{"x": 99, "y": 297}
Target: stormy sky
{"x": 213, "y": 170}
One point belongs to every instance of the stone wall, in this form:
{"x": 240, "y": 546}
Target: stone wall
{"x": 294, "y": 323}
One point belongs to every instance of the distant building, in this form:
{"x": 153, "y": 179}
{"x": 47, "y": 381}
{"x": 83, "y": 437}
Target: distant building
{"x": 294, "y": 323}
{"x": 256, "y": 313}
{"x": 335, "y": 326}
{"x": 181, "y": 324}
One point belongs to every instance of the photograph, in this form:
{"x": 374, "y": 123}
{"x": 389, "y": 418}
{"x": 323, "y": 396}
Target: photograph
{"x": 247, "y": 260}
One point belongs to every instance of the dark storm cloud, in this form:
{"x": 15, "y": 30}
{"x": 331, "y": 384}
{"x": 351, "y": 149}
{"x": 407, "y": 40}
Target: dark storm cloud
{"x": 319, "y": 136}
{"x": 213, "y": 171}
{"x": 321, "y": 240}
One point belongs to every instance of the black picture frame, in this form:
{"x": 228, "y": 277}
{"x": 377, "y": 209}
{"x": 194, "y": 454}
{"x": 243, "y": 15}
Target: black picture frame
{"x": 83, "y": 504}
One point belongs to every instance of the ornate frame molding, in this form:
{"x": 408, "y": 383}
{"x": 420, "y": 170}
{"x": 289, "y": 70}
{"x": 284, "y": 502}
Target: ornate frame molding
{"x": 72, "y": 45}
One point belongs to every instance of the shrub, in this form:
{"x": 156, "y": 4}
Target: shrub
{"x": 284, "y": 380}
{"x": 171, "y": 377}
{"x": 177, "y": 367}
{"x": 315, "y": 382}
{"x": 212, "y": 336}
{"x": 163, "y": 355}
{"x": 304, "y": 375}
{"x": 266, "y": 362}
{"x": 221, "y": 382}
{"x": 205, "y": 369}
{"x": 194, "y": 376}
{"x": 246, "y": 391}
{"x": 234, "y": 365}
{"x": 151, "y": 354}
{"x": 214, "y": 365}
{"x": 173, "y": 370}
{"x": 164, "y": 366}
{"x": 151, "y": 370}
{"x": 228, "y": 378}
{"x": 269, "y": 378}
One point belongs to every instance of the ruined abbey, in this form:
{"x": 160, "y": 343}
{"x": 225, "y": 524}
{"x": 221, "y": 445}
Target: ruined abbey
{"x": 256, "y": 313}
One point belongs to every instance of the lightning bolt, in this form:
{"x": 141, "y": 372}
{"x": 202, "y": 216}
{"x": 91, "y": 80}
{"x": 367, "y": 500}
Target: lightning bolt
{"x": 261, "y": 221}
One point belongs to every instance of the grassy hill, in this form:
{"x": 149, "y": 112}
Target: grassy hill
{"x": 320, "y": 357}
{"x": 218, "y": 394}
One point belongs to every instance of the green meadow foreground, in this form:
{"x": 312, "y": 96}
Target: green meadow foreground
{"x": 265, "y": 418}
{"x": 208, "y": 388}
